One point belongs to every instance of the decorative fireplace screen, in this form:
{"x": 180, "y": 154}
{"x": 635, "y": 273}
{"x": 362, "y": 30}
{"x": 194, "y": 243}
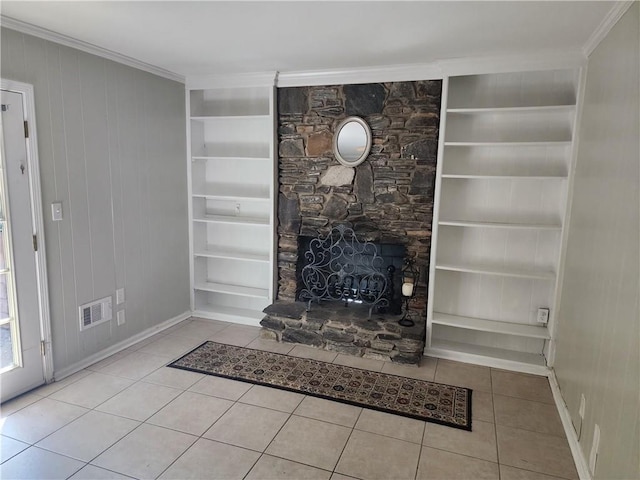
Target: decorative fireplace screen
{"x": 340, "y": 267}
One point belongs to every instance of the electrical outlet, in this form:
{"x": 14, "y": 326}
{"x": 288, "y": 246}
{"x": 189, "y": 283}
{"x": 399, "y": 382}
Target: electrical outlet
{"x": 121, "y": 319}
{"x": 56, "y": 211}
{"x": 119, "y": 296}
{"x": 595, "y": 446}
{"x": 543, "y": 315}
{"x": 582, "y": 406}
{"x": 237, "y": 209}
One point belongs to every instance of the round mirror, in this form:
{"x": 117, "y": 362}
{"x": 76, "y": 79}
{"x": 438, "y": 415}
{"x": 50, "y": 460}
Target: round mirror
{"x": 352, "y": 141}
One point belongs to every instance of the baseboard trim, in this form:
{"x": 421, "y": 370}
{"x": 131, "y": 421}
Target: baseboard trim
{"x": 578, "y": 456}
{"x": 118, "y": 347}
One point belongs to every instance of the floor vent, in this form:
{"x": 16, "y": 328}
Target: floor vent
{"x": 94, "y": 313}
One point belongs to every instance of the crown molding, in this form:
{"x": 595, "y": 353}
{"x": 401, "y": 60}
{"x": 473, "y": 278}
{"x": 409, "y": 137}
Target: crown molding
{"x": 391, "y": 73}
{"x": 513, "y": 63}
{"x": 435, "y": 70}
{"x": 29, "y": 29}
{"x": 240, "y": 80}
{"x": 616, "y": 12}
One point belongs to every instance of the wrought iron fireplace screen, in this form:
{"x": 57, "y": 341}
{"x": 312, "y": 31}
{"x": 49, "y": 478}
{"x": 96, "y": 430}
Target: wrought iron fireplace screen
{"x": 340, "y": 267}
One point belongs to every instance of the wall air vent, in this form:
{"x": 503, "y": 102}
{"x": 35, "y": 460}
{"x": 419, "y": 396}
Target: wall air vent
{"x": 95, "y": 313}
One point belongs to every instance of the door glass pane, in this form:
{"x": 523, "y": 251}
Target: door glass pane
{"x": 6, "y": 346}
{"x": 4, "y": 296}
{"x": 3, "y": 230}
{"x": 9, "y": 357}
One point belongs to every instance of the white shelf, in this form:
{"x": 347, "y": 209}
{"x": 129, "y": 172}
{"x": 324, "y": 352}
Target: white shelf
{"x": 520, "y": 226}
{"x": 238, "y": 159}
{"x": 231, "y": 147}
{"x": 561, "y": 143}
{"x": 514, "y": 89}
{"x": 504, "y": 271}
{"x": 231, "y": 219}
{"x": 232, "y": 289}
{"x": 233, "y": 192}
{"x": 493, "y": 326}
{"x": 471, "y": 176}
{"x": 229, "y": 314}
{"x": 443, "y": 349}
{"x": 230, "y": 254}
{"x": 542, "y": 109}
{"x": 505, "y": 164}
{"x": 231, "y": 151}
{"x": 226, "y": 118}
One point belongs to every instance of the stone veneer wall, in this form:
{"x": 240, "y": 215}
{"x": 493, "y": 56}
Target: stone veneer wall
{"x": 388, "y": 198}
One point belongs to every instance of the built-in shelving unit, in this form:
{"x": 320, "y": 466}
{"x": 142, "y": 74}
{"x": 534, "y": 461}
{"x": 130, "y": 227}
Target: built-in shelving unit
{"x": 500, "y": 215}
{"x": 232, "y": 179}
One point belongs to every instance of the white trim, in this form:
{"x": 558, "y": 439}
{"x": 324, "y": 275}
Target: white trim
{"x": 274, "y": 191}
{"x": 390, "y": 73}
{"x": 29, "y": 29}
{"x": 257, "y": 79}
{"x": 564, "y": 236}
{"x": 192, "y": 300}
{"x": 514, "y": 63}
{"x": 37, "y": 219}
{"x": 578, "y": 456}
{"x": 616, "y": 12}
{"x": 437, "y": 69}
{"x": 118, "y": 347}
{"x": 435, "y": 216}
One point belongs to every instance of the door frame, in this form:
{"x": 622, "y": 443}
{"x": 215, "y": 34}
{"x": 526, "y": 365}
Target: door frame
{"x": 37, "y": 219}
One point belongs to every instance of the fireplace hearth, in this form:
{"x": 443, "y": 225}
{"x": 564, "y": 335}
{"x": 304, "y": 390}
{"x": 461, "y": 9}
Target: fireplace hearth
{"x": 331, "y": 326}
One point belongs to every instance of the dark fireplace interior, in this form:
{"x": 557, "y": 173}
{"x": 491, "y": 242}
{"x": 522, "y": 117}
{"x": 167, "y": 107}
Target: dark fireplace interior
{"x": 356, "y": 280}
{"x": 387, "y": 199}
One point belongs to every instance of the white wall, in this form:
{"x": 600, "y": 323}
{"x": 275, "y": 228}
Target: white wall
{"x": 598, "y": 351}
{"x": 111, "y": 142}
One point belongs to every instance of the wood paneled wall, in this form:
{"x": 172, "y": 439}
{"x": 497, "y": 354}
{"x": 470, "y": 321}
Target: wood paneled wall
{"x": 111, "y": 143}
{"x": 598, "y": 351}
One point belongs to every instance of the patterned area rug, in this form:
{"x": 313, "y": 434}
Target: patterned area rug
{"x": 433, "y": 402}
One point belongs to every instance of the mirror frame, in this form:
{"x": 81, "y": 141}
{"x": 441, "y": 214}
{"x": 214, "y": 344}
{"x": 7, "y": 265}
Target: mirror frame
{"x": 367, "y": 149}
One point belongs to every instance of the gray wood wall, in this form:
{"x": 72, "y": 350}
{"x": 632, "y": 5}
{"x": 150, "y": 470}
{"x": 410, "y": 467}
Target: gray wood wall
{"x": 111, "y": 143}
{"x": 598, "y": 337}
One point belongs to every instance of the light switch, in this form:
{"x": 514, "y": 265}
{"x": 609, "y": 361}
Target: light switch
{"x": 56, "y": 211}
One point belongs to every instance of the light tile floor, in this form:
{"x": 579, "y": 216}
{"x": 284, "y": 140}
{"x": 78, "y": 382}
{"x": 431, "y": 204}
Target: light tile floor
{"x": 129, "y": 416}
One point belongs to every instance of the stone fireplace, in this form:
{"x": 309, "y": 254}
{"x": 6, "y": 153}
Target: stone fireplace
{"x": 387, "y": 199}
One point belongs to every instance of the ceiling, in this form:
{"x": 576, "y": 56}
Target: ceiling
{"x": 225, "y": 37}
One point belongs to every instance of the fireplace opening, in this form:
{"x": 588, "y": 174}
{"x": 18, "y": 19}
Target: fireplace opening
{"x": 339, "y": 267}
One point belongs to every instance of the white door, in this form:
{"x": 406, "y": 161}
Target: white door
{"x": 22, "y": 365}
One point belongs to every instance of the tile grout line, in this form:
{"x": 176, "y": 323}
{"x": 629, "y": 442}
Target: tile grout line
{"x": 263, "y": 452}
{"x": 424, "y": 429}
{"x": 495, "y": 423}
{"x": 333, "y": 470}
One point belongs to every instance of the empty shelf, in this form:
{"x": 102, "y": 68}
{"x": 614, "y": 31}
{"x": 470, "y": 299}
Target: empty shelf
{"x": 483, "y": 325}
{"x": 231, "y": 254}
{"x": 475, "y": 224}
{"x": 232, "y": 289}
{"x": 231, "y": 219}
{"x": 444, "y": 348}
{"x": 505, "y": 271}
